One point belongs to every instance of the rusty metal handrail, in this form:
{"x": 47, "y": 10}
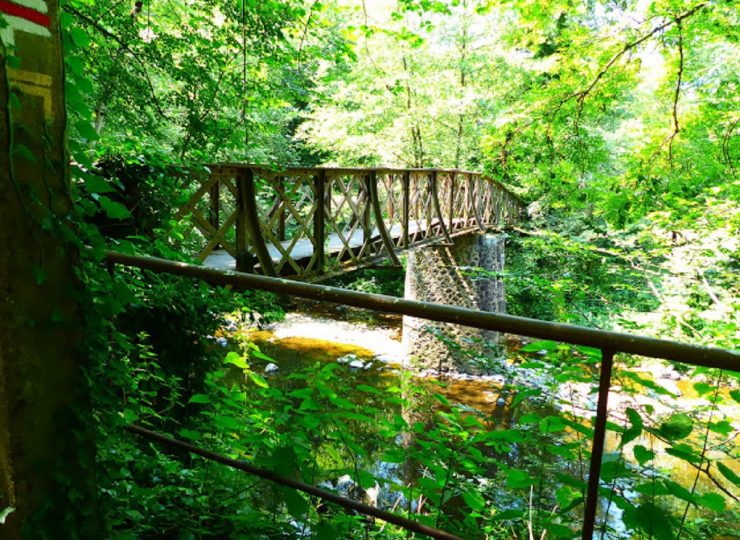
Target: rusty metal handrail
{"x": 323, "y": 494}
{"x": 499, "y": 322}
{"x": 608, "y": 342}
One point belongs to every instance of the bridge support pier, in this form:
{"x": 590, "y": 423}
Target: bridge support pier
{"x": 443, "y": 274}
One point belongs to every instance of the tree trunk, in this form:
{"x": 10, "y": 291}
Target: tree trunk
{"x": 46, "y": 447}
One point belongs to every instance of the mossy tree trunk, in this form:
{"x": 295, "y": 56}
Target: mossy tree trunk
{"x": 46, "y": 447}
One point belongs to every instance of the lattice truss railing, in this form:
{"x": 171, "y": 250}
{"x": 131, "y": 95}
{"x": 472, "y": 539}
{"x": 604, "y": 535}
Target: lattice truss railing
{"x": 391, "y": 198}
{"x": 352, "y": 229}
{"x": 287, "y": 204}
{"x": 313, "y": 221}
{"x": 208, "y": 217}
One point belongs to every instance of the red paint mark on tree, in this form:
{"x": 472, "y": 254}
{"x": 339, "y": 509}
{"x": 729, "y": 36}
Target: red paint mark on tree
{"x": 31, "y": 15}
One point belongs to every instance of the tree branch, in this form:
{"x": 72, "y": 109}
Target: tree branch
{"x": 125, "y": 47}
{"x": 676, "y": 127}
{"x": 580, "y": 96}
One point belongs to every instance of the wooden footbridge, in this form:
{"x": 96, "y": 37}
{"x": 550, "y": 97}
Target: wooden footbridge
{"x": 310, "y": 223}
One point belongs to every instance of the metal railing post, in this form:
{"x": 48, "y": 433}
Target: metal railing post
{"x": 405, "y": 186}
{"x": 319, "y": 218}
{"x": 597, "y": 448}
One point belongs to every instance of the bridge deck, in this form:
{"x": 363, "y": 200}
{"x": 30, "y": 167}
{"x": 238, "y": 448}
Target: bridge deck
{"x": 303, "y": 248}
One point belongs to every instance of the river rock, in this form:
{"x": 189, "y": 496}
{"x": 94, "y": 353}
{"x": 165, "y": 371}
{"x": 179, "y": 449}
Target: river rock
{"x": 357, "y": 364}
{"x": 347, "y": 358}
{"x": 271, "y": 367}
{"x": 222, "y": 341}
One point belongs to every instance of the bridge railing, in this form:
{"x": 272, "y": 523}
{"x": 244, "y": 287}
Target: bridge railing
{"x": 307, "y": 222}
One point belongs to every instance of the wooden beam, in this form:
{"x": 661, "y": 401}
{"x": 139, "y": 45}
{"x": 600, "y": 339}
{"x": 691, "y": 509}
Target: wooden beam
{"x": 385, "y": 237}
{"x": 434, "y": 190}
{"x": 249, "y": 225}
{"x": 319, "y": 219}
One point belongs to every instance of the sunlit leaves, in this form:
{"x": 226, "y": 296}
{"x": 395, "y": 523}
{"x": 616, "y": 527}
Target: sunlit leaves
{"x": 678, "y": 426}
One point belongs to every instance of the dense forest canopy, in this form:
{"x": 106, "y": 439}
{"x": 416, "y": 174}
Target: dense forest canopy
{"x": 615, "y": 109}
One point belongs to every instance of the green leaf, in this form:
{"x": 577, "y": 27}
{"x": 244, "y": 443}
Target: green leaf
{"x": 540, "y": 346}
{"x": 199, "y": 398}
{"x": 258, "y": 380}
{"x": 368, "y": 389}
{"x": 654, "y": 521}
{"x": 559, "y": 531}
{"x": 40, "y": 275}
{"x": 309, "y": 404}
{"x": 713, "y": 501}
{"x": 735, "y": 395}
{"x": 551, "y": 424}
{"x": 259, "y": 354}
{"x": 676, "y": 427}
{"x": 474, "y": 500}
{"x": 728, "y": 473}
{"x": 80, "y": 38}
{"x": 297, "y": 505}
{"x": 366, "y": 480}
{"x": 529, "y": 418}
{"x": 702, "y": 388}
{"x": 516, "y": 479}
{"x": 327, "y": 531}
{"x": 635, "y": 429}
{"x": 235, "y": 359}
{"x": 190, "y": 434}
{"x": 86, "y": 130}
{"x": 113, "y": 209}
{"x": 301, "y": 393}
{"x": 96, "y": 184}
{"x": 723, "y": 427}
{"x": 677, "y": 490}
{"x": 4, "y": 513}
{"x": 685, "y": 452}
{"x": 442, "y": 399}
{"x": 647, "y": 383}
{"x": 642, "y": 454}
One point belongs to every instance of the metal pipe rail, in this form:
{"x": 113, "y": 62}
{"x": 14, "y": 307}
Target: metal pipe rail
{"x": 609, "y": 343}
{"x": 323, "y": 494}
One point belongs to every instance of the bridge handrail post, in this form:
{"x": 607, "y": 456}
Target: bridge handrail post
{"x": 405, "y": 188}
{"x": 214, "y": 210}
{"x": 434, "y": 188}
{"x": 319, "y": 220}
{"x": 366, "y": 232}
{"x": 248, "y": 226}
{"x": 375, "y": 200}
{"x": 451, "y": 212}
{"x": 281, "y": 210}
{"x": 475, "y": 201}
